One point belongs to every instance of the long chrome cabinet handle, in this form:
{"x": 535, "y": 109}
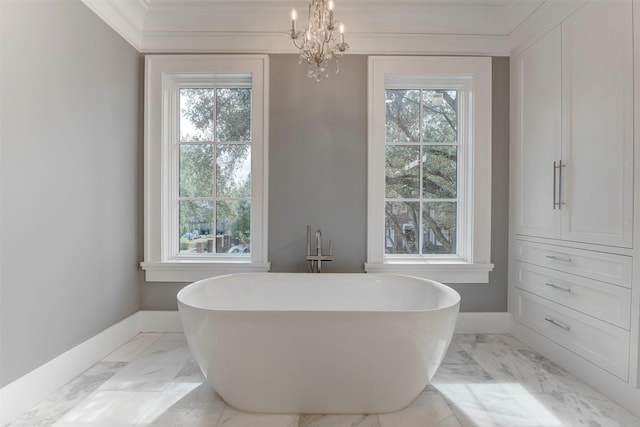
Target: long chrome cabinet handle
{"x": 558, "y": 323}
{"x": 557, "y": 184}
{"x": 560, "y": 288}
{"x": 554, "y": 185}
{"x": 560, "y": 166}
{"x": 558, "y": 258}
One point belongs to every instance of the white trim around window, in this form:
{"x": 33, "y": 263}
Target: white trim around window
{"x": 161, "y": 74}
{"x": 472, "y": 263}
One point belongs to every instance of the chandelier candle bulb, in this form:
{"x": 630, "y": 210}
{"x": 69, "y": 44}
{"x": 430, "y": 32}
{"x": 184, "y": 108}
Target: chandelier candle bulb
{"x": 341, "y": 33}
{"x": 294, "y": 15}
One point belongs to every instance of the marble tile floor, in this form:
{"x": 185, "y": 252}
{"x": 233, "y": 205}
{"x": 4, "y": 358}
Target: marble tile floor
{"x": 485, "y": 380}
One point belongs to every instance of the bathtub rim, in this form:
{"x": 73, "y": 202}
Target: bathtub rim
{"x": 449, "y": 291}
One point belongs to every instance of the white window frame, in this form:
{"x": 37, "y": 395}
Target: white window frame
{"x": 164, "y": 75}
{"x": 472, "y": 263}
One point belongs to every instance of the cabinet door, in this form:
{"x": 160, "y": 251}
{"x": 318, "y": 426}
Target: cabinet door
{"x": 597, "y": 68}
{"x": 536, "y": 135}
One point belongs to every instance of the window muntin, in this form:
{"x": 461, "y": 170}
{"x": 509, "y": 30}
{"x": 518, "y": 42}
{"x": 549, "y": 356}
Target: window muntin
{"x": 213, "y": 140}
{"x": 471, "y": 262}
{"x": 422, "y": 207}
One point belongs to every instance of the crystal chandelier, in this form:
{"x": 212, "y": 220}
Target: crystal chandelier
{"x": 317, "y": 43}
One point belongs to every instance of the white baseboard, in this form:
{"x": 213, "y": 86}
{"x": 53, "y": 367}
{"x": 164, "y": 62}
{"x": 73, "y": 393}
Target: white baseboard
{"x": 483, "y": 323}
{"x": 25, "y": 392}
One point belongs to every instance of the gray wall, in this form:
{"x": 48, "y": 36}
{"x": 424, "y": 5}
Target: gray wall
{"x": 317, "y": 163}
{"x": 70, "y": 187}
{"x": 318, "y": 169}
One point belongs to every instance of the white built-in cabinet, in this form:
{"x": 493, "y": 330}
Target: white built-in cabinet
{"x": 572, "y": 287}
{"x": 537, "y": 91}
{"x": 573, "y": 146}
{"x": 597, "y": 149}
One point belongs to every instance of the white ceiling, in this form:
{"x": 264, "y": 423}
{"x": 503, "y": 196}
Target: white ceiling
{"x": 490, "y": 27}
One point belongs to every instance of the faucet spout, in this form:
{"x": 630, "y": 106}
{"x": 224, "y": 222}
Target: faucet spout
{"x": 315, "y": 257}
{"x": 318, "y": 243}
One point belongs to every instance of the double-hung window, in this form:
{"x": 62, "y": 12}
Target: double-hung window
{"x": 212, "y": 209}
{"x": 205, "y": 166}
{"x": 422, "y": 147}
{"x": 429, "y": 167}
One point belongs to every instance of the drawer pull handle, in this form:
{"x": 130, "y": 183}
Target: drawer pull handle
{"x": 560, "y": 288}
{"x": 558, "y": 258}
{"x": 558, "y": 324}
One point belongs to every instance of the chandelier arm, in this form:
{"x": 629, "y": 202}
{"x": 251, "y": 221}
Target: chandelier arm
{"x": 296, "y": 44}
{"x": 320, "y": 55}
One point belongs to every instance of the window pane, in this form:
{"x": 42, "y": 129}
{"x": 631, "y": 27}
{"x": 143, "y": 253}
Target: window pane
{"x": 402, "y": 170}
{"x": 440, "y": 172}
{"x": 439, "y": 221}
{"x": 401, "y": 225}
{"x": 233, "y": 170}
{"x": 196, "y": 115}
{"x": 233, "y": 114}
{"x": 440, "y": 119}
{"x": 403, "y": 115}
{"x": 233, "y": 226}
{"x": 196, "y": 170}
{"x": 196, "y": 226}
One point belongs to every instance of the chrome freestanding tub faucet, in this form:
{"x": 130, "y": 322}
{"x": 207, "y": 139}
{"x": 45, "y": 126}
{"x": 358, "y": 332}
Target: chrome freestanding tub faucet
{"x": 315, "y": 257}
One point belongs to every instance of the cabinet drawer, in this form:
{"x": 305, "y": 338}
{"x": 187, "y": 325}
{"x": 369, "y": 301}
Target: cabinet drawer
{"x": 601, "y": 343}
{"x": 602, "y": 266}
{"x": 601, "y": 300}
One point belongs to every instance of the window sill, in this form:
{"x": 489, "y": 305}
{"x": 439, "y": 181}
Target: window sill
{"x": 191, "y": 271}
{"x": 440, "y": 271}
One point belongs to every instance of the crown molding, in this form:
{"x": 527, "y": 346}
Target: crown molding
{"x": 126, "y": 18}
{"x": 395, "y": 44}
{"x": 445, "y": 17}
{"x": 149, "y": 26}
{"x": 428, "y": 44}
{"x": 545, "y": 18}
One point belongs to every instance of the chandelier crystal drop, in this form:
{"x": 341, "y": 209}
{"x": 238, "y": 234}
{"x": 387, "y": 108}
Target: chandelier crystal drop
{"x": 318, "y": 44}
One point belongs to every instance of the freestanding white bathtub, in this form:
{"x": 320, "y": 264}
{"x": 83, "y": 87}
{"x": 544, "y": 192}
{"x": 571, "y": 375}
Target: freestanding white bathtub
{"x": 318, "y": 343}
